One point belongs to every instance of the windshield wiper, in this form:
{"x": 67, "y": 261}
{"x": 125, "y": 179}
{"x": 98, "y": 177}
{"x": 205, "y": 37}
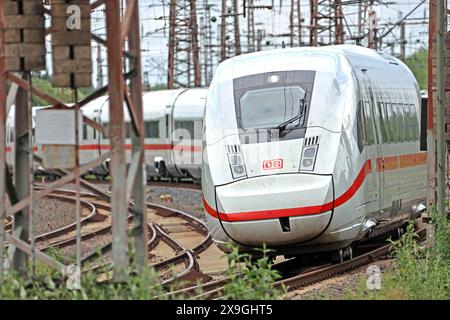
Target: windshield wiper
{"x": 282, "y": 126}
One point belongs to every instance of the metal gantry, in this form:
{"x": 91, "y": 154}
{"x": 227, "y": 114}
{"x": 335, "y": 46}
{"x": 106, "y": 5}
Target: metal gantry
{"x": 326, "y": 26}
{"x": 184, "y": 52}
{"x": 124, "y": 89}
{"x": 206, "y": 40}
{"x": 295, "y": 24}
{"x": 230, "y": 38}
{"x": 249, "y": 13}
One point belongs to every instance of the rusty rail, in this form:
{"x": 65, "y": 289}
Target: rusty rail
{"x": 213, "y": 289}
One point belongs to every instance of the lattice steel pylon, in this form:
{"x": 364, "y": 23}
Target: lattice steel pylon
{"x": 183, "y": 61}
{"x": 326, "y": 26}
{"x": 229, "y": 26}
{"x": 295, "y": 24}
{"x": 251, "y": 34}
{"x": 206, "y": 51}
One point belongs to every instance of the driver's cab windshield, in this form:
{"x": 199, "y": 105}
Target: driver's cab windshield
{"x": 267, "y": 108}
{"x": 273, "y": 100}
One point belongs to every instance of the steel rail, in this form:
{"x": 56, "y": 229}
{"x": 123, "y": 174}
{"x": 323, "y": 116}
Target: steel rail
{"x": 71, "y": 226}
{"x": 213, "y": 289}
{"x": 190, "y": 274}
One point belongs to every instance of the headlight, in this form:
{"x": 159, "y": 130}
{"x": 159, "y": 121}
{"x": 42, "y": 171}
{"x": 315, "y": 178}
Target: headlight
{"x": 309, "y": 152}
{"x": 236, "y": 161}
{"x": 308, "y": 158}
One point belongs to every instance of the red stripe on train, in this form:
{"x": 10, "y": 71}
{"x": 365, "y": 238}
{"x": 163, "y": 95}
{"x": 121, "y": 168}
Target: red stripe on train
{"x": 383, "y": 164}
{"x": 293, "y": 212}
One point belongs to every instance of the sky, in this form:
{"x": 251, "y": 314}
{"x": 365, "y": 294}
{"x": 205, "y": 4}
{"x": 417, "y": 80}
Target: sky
{"x": 154, "y": 15}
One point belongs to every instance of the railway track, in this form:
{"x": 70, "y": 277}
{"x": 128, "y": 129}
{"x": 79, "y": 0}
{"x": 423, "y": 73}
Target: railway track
{"x": 183, "y": 184}
{"x": 179, "y": 185}
{"x": 180, "y": 248}
{"x": 177, "y": 240}
{"x": 309, "y": 276}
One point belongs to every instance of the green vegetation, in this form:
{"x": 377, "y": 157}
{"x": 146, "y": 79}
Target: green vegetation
{"x": 158, "y": 86}
{"x": 420, "y": 272}
{"x": 43, "y": 83}
{"x": 44, "y": 287}
{"x": 251, "y": 281}
{"x": 418, "y": 63}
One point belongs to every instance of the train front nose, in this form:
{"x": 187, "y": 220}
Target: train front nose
{"x": 275, "y": 209}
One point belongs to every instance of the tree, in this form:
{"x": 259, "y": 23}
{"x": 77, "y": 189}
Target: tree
{"x": 418, "y": 63}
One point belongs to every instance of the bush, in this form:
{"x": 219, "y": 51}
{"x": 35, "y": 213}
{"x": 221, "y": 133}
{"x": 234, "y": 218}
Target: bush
{"x": 144, "y": 286}
{"x": 420, "y": 272}
{"x": 424, "y": 273}
{"x": 251, "y": 280}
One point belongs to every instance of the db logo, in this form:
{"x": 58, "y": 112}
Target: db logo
{"x": 273, "y": 164}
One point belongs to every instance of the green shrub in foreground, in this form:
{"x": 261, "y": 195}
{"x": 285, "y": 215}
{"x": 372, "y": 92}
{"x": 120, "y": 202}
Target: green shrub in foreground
{"x": 45, "y": 287}
{"x": 420, "y": 272}
{"x": 252, "y": 280}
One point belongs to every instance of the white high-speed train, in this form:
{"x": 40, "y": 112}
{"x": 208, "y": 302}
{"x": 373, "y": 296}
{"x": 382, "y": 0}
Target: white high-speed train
{"x": 172, "y": 128}
{"x": 311, "y": 149}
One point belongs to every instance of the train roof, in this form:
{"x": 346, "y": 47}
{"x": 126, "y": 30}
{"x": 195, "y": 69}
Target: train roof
{"x": 324, "y": 59}
{"x": 191, "y": 103}
{"x": 156, "y": 103}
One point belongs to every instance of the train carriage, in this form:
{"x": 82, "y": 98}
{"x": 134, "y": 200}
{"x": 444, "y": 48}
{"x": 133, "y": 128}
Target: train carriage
{"x": 311, "y": 149}
{"x": 172, "y": 133}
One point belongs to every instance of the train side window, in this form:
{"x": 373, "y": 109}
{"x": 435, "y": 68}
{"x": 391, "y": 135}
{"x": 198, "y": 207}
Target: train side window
{"x": 360, "y": 127}
{"x": 85, "y": 129}
{"x": 401, "y": 121}
{"x": 127, "y": 130}
{"x": 412, "y": 123}
{"x": 370, "y": 138}
{"x": 383, "y": 124}
{"x": 167, "y": 126}
{"x": 151, "y": 129}
{"x": 186, "y": 125}
{"x": 390, "y": 121}
{"x": 395, "y": 123}
{"x": 94, "y": 133}
{"x": 406, "y": 121}
{"x": 10, "y": 135}
{"x": 106, "y": 131}
{"x": 415, "y": 125}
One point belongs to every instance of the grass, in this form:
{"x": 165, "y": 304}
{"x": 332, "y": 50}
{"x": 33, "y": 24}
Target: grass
{"x": 420, "y": 272}
{"x": 250, "y": 281}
